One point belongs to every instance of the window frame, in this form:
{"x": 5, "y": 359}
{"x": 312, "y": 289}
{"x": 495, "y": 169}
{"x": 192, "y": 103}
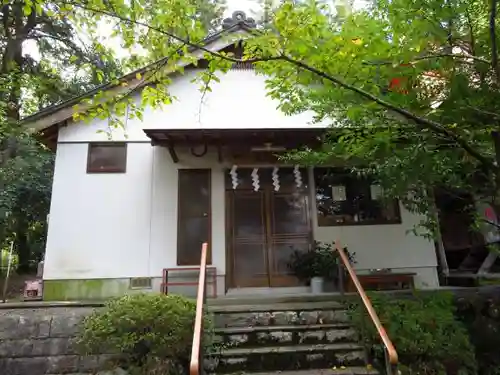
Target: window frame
{"x": 91, "y": 170}
{"x": 324, "y": 222}
{"x": 181, "y": 261}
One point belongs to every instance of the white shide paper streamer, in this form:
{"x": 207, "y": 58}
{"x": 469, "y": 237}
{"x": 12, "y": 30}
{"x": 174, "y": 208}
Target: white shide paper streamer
{"x": 234, "y": 176}
{"x": 276, "y": 179}
{"x": 298, "y": 176}
{"x": 255, "y": 179}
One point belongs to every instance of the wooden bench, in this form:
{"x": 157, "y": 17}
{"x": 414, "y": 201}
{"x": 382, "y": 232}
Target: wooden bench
{"x": 211, "y": 278}
{"x": 384, "y": 281}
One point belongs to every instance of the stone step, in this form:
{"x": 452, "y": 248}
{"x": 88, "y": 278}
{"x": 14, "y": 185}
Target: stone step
{"x": 258, "y": 299}
{"x": 237, "y": 352}
{"x": 272, "y": 307}
{"x": 285, "y": 335}
{"x": 352, "y": 370}
{"x": 297, "y": 327}
{"x": 283, "y": 358}
{"x": 281, "y": 317}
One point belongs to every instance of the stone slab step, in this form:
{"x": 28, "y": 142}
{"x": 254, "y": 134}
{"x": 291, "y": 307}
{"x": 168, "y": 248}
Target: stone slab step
{"x": 260, "y": 336}
{"x": 300, "y": 306}
{"x": 257, "y": 299}
{"x": 242, "y": 352}
{"x": 285, "y": 358}
{"x": 280, "y": 328}
{"x": 280, "y": 317}
{"x": 351, "y": 370}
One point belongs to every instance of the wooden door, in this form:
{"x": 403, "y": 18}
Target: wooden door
{"x": 248, "y": 241}
{"x": 264, "y": 228}
{"x": 193, "y": 215}
{"x": 289, "y": 230}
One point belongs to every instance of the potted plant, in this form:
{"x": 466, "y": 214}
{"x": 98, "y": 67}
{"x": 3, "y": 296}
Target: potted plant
{"x": 316, "y": 265}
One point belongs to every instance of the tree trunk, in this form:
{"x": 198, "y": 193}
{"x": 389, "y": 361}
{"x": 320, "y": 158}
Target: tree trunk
{"x": 495, "y": 135}
{"x": 22, "y": 249}
{"x": 11, "y": 70}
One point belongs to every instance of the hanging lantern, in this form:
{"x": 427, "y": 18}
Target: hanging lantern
{"x": 400, "y": 84}
{"x": 490, "y": 214}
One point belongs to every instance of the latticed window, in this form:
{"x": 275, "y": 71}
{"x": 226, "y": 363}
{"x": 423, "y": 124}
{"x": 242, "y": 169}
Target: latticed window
{"x": 343, "y": 198}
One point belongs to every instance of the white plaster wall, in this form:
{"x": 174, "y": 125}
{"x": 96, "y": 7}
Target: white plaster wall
{"x": 102, "y": 225}
{"x": 163, "y": 250}
{"x": 122, "y": 225}
{"x": 238, "y": 101}
{"x": 384, "y": 246}
{"x": 98, "y": 223}
{"x": 125, "y": 225}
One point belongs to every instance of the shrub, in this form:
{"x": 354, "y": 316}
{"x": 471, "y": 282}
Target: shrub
{"x": 481, "y": 315}
{"x": 148, "y": 332}
{"x": 427, "y": 336}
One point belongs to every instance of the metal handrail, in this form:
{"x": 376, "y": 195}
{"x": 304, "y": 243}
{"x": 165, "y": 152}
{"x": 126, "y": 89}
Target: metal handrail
{"x": 390, "y": 351}
{"x": 196, "y": 352}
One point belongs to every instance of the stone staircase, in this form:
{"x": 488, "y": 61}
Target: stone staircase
{"x": 290, "y": 336}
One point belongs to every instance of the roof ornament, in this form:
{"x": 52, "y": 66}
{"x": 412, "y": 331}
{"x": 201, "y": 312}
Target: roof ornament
{"x": 238, "y": 17}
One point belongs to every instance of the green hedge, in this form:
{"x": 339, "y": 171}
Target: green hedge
{"x": 148, "y": 333}
{"x": 425, "y": 331}
{"x": 481, "y": 315}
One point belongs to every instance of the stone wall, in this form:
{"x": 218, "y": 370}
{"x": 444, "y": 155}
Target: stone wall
{"x": 41, "y": 340}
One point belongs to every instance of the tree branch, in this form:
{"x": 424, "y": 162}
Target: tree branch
{"x": 38, "y": 34}
{"x": 429, "y": 124}
{"x": 437, "y": 56}
{"x": 30, "y": 22}
{"x": 423, "y": 122}
{"x": 490, "y": 223}
{"x": 454, "y": 56}
{"x": 175, "y": 37}
{"x": 151, "y": 73}
{"x": 484, "y": 112}
{"x": 471, "y": 32}
{"x": 494, "y": 49}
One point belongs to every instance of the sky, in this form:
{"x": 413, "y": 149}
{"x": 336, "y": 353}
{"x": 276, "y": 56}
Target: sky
{"x": 250, "y": 7}
{"x": 244, "y": 5}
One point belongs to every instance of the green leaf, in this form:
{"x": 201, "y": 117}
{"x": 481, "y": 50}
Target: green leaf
{"x": 27, "y": 9}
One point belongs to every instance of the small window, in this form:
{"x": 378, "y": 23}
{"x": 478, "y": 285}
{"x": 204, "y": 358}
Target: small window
{"x": 107, "y": 158}
{"x": 345, "y": 199}
{"x": 140, "y": 283}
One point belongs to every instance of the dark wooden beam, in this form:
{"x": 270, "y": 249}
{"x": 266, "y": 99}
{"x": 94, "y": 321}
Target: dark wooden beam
{"x": 173, "y": 154}
{"x": 219, "y": 153}
{"x": 169, "y": 145}
{"x": 240, "y": 144}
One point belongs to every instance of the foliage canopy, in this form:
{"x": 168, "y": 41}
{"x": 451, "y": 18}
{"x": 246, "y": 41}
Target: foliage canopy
{"x": 410, "y": 87}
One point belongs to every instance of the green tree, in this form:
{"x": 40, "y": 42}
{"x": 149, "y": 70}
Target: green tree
{"x": 32, "y": 79}
{"x": 52, "y": 51}
{"x": 25, "y": 200}
{"x": 410, "y": 87}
